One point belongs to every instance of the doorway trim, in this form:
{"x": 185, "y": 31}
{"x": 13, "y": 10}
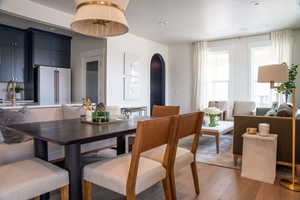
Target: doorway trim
{"x": 99, "y": 56}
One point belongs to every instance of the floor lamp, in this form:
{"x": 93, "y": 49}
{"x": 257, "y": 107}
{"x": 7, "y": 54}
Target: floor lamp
{"x": 279, "y": 74}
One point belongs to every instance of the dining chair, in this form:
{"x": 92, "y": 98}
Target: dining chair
{"x": 187, "y": 125}
{"x": 164, "y": 111}
{"x": 131, "y": 174}
{"x": 157, "y": 111}
{"x": 28, "y": 179}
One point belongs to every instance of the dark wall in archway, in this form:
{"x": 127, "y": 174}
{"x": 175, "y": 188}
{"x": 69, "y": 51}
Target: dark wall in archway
{"x": 157, "y": 77}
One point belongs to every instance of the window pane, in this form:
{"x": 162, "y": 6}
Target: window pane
{"x": 261, "y": 92}
{"x": 217, "y": 75}
{"x": 217, "y": 91}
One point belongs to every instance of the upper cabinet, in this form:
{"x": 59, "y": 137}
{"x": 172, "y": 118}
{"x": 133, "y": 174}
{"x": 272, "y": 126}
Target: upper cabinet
{"x": 12, "y": 54}
{"x": 49, "y": 49}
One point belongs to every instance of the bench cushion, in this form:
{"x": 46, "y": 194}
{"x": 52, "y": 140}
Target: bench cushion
{"x": 184, "y": 157}
{"x": 113, "y": 174}
{"x": 30, "y": 178}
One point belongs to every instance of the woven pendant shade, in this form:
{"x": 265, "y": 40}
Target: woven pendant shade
{"x": 100, "y": 18}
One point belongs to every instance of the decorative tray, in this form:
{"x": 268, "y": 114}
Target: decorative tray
{"x": 113, "y": 121}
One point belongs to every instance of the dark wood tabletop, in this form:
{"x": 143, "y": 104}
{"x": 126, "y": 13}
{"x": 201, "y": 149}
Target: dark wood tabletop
{"x": 72, "y": 131}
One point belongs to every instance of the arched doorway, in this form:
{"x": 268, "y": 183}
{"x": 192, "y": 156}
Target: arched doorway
{"x": 157, "y": 77}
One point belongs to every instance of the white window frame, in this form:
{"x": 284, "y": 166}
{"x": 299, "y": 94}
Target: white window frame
{"x": 252, "y": 76}
{"x": 218, "y": 50}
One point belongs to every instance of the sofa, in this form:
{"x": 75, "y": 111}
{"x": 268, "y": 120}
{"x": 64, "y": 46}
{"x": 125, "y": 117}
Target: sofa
{"x": 24, "y": 150}
{"x": 282, "y": 126}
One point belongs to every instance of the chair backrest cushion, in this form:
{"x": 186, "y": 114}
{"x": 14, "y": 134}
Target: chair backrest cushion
{"x": 165, "y": 111}
{"x": 222, "y": 105}
{"x": 243, "y": 108}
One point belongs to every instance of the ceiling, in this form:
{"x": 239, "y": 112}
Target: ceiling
{"x": 171, "y": 21}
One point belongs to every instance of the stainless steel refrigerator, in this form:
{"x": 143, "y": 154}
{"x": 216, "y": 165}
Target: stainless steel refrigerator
{"x": 54, "y": 85}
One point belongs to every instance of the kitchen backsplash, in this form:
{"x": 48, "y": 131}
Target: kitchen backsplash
{"x": 3, "y": 87}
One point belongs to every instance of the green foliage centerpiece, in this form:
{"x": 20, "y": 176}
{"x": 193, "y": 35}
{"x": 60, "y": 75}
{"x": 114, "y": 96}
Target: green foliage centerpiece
{"x": 100, "y": 114}
{"x": 284, "y": 88}
{"x": 213, "y": 113}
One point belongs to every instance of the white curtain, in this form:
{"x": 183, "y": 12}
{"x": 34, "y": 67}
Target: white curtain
{"x": 282, "y": 43}
{"x": 282, "y": 47}
{"x": 199, "y": 99}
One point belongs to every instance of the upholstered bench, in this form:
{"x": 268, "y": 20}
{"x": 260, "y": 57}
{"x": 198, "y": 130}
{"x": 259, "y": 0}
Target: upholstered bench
{"x": 29, "y": 179}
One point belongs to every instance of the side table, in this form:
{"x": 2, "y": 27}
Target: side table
{"x": 259, "y": 157}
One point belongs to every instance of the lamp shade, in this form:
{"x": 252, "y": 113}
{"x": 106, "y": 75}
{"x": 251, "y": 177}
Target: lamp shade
{"x": 100, "y": 18}
{"x": 273, "y": 73}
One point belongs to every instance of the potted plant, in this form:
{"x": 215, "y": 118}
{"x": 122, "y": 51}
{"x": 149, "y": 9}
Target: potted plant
{"x": 213, "y": 113}
{"x": 18, "y": 90}
{"x": 291, "y": 83}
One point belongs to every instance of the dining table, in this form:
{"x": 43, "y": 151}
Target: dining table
{"x": 72, "y": 134}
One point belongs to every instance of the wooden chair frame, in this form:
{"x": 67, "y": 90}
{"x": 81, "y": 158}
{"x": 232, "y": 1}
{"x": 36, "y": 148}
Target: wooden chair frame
{"x": 165, "y": 111}
{"x": 64, "y": 193}
{"x": 194, "y": 122}
{"x": 164, "y": 129}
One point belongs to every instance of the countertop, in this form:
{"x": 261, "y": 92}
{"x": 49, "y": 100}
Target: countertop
{"x": 34, "y": 105}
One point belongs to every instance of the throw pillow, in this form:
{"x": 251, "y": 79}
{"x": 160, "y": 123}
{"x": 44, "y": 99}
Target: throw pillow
{"x": 271, "y": 112}
{"x": 8, "y": 117}
{"x": 284, "y": 110}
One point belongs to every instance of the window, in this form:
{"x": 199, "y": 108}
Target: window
{"x": 217, "y": 75}
{"x": 261, "y": 92}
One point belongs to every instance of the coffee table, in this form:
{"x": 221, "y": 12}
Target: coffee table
{"x": 222, "y": 128}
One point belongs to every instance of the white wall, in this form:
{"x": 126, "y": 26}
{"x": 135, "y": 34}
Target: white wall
{"x": 79, "y": 46}
{"x": 142, "y": 48}
{"x": 181, "y": 83}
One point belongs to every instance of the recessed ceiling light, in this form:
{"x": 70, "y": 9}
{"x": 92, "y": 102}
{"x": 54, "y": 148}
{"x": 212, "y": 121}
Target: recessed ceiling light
{"x": 163, "y": 23}
{"x": 255, "y": 2}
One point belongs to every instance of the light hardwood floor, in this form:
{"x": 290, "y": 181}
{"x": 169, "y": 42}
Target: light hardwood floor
{"x": 216, "y": 183}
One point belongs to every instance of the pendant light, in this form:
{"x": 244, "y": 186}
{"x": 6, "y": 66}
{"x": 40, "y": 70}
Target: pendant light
{"x": 100, "y": 18}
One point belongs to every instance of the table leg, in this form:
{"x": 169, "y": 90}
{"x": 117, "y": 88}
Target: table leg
{"x": 121, "y": 145}
{"x": 41, "y": 151}
{"x": 73, "y": 165}
{"x": 217, "y": 143}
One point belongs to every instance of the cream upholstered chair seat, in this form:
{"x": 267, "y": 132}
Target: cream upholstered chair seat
{"x": 113, "y": 174}
{"x": 30, "y": 178}
{"x": 183, "y": 158}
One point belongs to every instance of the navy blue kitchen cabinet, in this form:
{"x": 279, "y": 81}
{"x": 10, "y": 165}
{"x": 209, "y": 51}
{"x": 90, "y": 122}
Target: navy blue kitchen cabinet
{"x": 50, "y": 49}
{"x": 12, "y": 54}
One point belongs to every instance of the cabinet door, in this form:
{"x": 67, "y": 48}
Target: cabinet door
{"x": 42, "y": 49}
{"x": 18, "y": 64}
{"x": 5, "y": 63}
{"x": 61, "y": 51}
{"x": 6, "y": 36}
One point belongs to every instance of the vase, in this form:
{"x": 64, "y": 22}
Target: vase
{"x": 212, "y": 121}
{"x": 18, "y": 96}
{"x": 89, "y": 115}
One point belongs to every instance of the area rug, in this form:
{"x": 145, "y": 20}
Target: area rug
{"x": 207, "y": 150}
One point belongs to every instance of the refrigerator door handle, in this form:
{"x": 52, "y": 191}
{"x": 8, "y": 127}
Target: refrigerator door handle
{"x": 56, "y": 86}
{"x": 57, "y": 89}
